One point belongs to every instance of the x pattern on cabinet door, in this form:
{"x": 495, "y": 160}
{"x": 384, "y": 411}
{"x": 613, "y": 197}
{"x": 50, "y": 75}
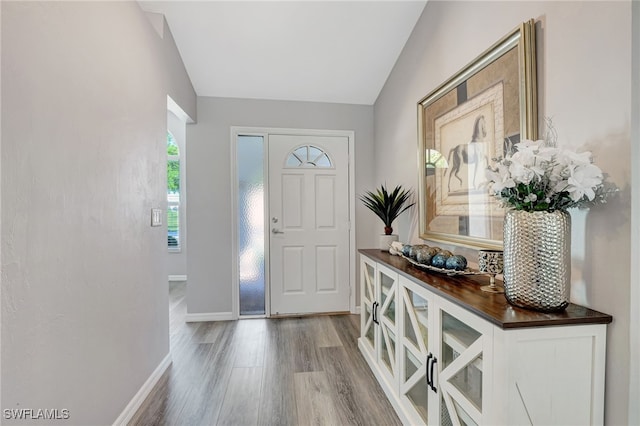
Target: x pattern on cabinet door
{"x": 453, "y": 367}
{"x": 388, "y": 312}
{"x": 368, "y": 273}
{"x": 414, "y": 349}
{"x": 451, "y": 393}
{"x": 462, "y": 378}
{"x": 388, "y": 283}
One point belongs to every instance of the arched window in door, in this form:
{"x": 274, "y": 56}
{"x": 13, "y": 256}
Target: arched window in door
{"x": 308, "y": 156}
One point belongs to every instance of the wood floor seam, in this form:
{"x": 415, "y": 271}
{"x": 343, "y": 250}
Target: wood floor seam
{"x": 268, "y": 372}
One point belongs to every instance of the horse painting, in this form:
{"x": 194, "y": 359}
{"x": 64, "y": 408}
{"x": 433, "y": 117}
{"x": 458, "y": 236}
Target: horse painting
{"x": 470, "y": 153}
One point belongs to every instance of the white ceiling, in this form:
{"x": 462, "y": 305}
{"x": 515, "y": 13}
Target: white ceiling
{"x": 323, "y": 51}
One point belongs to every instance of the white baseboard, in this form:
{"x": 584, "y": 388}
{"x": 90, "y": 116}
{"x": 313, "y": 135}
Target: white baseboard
{"x": 211, "y": 316}
{"x": 356, "y": 311}
{"x": 177, "y": 277}
{"x": 137, "y": 400}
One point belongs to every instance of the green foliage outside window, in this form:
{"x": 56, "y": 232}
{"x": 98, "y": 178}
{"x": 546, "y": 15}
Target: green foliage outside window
{"x": 173, "y": 191}
{"x": 173, "y": 175}
{"x": 173, "y": 166}
{"x": 172, "y": 220}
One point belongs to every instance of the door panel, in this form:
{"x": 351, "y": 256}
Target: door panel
{"x": 325, "y": 202}
{"x": 326, "y": 270}
{"x": 292, "y": 199}
{"x": 293, "y": 274}
{"x": 309, "y": 211}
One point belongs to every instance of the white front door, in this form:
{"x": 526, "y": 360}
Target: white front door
{"x": 309, "y": 223}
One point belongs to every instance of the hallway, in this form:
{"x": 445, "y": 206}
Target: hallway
{"x": 293, "y": 371}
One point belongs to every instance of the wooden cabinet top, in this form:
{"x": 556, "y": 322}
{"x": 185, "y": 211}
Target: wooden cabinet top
{"x": 464, "y": 290}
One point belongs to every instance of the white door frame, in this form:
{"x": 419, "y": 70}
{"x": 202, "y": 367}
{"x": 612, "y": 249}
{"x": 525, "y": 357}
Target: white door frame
{"x": 634, "y": 309}
{"x": 265, "y": 132}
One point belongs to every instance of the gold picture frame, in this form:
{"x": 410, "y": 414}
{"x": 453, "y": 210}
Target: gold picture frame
{"x": 463, "y": 125}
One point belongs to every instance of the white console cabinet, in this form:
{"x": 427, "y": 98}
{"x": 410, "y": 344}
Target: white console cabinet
{"x": 446, "y": 353}
{"x": 379, "y": 321}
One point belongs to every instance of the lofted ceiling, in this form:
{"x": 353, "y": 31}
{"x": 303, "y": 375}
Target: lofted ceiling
{"x": 322, "y": 51}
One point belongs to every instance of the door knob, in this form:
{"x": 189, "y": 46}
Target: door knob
{"x": 277, "y": 231}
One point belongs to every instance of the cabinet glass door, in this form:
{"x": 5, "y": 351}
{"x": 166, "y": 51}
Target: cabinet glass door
{"x": 369, "y": 331}
{"x": 388, "y": 297}
{"x": 368, "y": 276}
{"x": 415, "y": 349}
{"x": 386, "y": 316}
{"x": 461, "y": 376}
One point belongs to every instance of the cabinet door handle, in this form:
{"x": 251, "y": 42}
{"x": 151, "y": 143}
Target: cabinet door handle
{"x": 433, "y": 363}
{"x": 427, "y": 367}
{"x": 375, "y": 312}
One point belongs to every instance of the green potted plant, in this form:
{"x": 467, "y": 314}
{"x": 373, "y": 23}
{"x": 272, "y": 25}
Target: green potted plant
{"x": 387, "y": 205}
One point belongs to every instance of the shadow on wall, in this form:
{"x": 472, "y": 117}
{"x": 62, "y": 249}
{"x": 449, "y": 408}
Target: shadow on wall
{"x": 608, "y": 226}
{"x": 608, "y": 244}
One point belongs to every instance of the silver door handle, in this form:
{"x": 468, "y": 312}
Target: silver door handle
{"x": 277, "y": 231}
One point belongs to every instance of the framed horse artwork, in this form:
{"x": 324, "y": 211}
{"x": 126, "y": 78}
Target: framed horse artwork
{"x": 467, "y": 123}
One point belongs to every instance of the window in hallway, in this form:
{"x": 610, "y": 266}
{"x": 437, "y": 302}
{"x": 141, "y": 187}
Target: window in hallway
{"x": 173, "y": 193}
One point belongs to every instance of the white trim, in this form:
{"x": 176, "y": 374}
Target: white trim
{"x": 177, "y": 277}
{"x": 235, "y": 279}
{"x": 356, "y": 311}
{"x": 634, "y": 308}
{"x": 209, "y": 316}
{"x": 177, "y": 111}
{"x": 353, "y": 258}
{"x": 137, "y": 400}
{"x": 265, "y": 132}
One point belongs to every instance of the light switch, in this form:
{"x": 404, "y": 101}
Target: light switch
{"x": 156, "y": 217}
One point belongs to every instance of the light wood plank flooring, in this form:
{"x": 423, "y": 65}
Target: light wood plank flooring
{"x": 292, "y": 371}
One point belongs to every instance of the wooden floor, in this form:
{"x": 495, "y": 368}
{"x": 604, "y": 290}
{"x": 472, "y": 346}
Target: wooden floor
{"x": 294, "y": 371}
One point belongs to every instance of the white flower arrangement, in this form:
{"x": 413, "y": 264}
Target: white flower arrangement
{"x": 538, "y": 177}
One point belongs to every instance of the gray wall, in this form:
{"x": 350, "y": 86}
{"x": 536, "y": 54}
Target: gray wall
{"x": 84, "y": 293}
{"x": 179, "y": 86}
{"x": 209, "y": 183}
{"x": 584, "y": 76}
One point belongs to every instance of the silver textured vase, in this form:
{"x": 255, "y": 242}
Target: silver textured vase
{"x": 537, "y": 259}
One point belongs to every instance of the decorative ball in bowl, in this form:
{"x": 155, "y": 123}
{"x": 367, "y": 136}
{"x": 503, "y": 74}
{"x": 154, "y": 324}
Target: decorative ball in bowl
{"x": 456, "y": 262}
{"x": 424, "y": 255}
{"x": 440, "y": 260}
{"x": 413, "y": 251}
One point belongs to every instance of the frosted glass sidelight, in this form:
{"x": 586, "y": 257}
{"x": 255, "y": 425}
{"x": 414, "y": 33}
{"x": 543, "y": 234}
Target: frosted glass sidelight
{"x": 251, "y": 239}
